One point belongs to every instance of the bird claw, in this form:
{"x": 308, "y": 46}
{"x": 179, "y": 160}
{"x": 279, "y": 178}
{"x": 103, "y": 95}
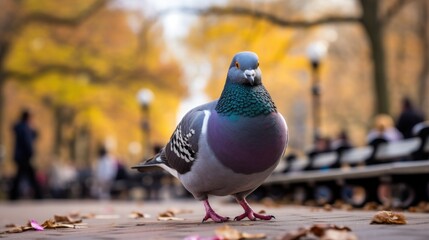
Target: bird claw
{"x": 215, "y": 217}
{"x": 253, "y": 216}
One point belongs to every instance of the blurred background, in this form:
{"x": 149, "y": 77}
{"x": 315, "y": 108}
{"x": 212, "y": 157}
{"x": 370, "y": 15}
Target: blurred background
{"x": 117, "y": 75}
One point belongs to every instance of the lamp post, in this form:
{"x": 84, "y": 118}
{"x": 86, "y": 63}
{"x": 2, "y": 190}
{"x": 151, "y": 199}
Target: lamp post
{"x": 145, "y": 97}
{"x": 315, "y": 52}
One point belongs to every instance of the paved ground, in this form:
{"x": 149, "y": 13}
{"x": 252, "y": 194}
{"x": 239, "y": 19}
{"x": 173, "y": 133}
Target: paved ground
{"x": 118, "y": 225}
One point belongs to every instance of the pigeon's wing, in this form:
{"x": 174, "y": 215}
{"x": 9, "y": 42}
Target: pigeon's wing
{"x": 182, "y": 150}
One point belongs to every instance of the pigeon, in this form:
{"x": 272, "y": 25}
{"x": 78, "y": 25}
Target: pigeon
{"x": 228, "y": 146}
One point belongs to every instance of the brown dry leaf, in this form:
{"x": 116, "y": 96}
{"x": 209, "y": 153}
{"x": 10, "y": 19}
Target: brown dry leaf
{"x": 320, "y": 229}
{"x": 388, "y": 217}
{"x": 327, "y": 207}
{"x": 66, "y": 219}
{"x": 137, "y": 215}
{"x": 295, "y": 235}
{"x": 50, "y": 224}
{"x": 167, "y": 213}
{"x": 333, "y": 234}
{"x": 321, "y": 232}
{"x": 170, "y": 219}
{"x": 11, "y": 225}
{"x": 262, "y": 212}
{"x": 227, "y": 232}
{"x": 14, "y": 230}
{"x": 370, "y": 206}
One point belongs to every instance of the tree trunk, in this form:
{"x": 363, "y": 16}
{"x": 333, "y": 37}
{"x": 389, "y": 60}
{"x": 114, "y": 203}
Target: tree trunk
{"x": 374, "y": 29}
{"x": 424, "y": 71}
{"x": 4, "y": 49}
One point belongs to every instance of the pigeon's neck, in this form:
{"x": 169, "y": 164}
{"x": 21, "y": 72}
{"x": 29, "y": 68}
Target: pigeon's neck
{"x": 243, "y": 100}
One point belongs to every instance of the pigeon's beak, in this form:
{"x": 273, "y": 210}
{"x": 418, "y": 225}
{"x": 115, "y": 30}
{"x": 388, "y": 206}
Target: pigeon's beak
{"x": 249, "y": 74}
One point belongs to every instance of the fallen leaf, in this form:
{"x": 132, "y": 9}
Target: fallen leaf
{"x": 11, "y": 225}
{"x": 388, "y": 217}
{"x": 14, "y": 230}
{"x": 137, "y": 215}
{"x": 227, "y": 232}
{"x": 49, "y": 224}
{"x": 321, "y": 232}
{"x": 295, "y": 235}
{"x": 320, "y": 229}
{"x": 327, "y": 207}
{"x": 66, "y": 219}
{"x": 370, "y": 206}
{"x": 35, "y": 225}
{"x": 167, "y": 213}
{"x": 332, "y": 234}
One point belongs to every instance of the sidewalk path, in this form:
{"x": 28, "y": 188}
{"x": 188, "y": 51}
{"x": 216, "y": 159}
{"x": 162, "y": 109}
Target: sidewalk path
{"x": 117, "y": 224}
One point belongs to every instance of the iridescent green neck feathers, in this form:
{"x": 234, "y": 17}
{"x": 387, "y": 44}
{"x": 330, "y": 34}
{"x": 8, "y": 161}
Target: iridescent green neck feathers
{"x": 245, "y": 100}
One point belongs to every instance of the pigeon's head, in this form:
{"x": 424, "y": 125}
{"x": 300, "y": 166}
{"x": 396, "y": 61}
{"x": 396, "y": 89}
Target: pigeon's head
{"x": 244, "y": 69}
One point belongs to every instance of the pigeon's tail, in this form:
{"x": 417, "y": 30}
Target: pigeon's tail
{"x": 158, "y": 161}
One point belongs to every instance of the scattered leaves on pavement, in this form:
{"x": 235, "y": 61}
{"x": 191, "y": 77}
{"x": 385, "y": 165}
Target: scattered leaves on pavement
{"x": 58, "y": 221}
{"x": 388, "y": 217}
{"x": 227, "y": 232}
{"x": 321, "y": 232}
{"x": 422, "y": 207}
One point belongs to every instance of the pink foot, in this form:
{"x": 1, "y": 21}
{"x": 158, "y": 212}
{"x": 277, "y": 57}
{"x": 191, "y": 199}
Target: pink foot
{"x": 210, "y": 214}
{"x": 250, "y": 214}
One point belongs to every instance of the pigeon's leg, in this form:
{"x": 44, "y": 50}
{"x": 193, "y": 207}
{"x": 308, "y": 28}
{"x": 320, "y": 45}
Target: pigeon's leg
{"x": 210, "y": 213}
{"x": 249, "y": 213}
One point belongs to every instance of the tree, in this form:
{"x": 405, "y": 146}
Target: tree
{"x": 14, "y": 19}
{"x": 372, "y": 20}
{"x": 87, "y": 72}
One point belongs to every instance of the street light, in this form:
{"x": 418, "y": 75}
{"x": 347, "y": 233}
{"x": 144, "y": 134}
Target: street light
{"x": 315, "y": 52}
{"x": 145, "y": 97}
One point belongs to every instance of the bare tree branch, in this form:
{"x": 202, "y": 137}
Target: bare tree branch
{"x": 263, "y": 16}
{"x": 393, "y": 10}
{"x": 72, "y": 21}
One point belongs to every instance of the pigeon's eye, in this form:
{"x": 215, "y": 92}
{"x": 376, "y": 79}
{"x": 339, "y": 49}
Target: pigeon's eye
{"x": 257, "y": 65}
{"x": 237, "y": 65}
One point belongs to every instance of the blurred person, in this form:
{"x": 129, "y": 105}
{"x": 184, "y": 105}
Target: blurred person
{"x": 105, "y": 173}
{"x": 408, "y": 118}
{"x": 342, "y": 142}
{"x": 61, "y": 176}
{"x": 321, "y": 145}
{"x": 383, "y": 129}
{"x": 25, "y": 136}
